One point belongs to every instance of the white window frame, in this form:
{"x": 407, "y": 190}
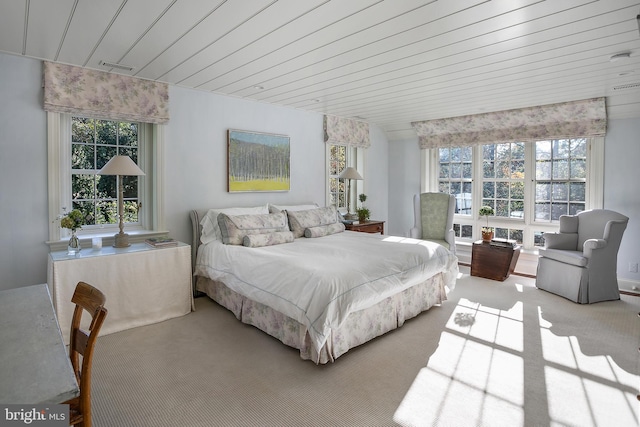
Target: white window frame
{"x": 150, "y": 158}
{"x": 355, "y": 159}
{"x": 594, "y": 191}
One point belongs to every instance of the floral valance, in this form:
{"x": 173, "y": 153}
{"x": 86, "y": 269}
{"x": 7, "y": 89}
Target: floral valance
{"x": 584, "y": 118}
{"x": 92, "y": 93}
{"x": 341, "y": 131}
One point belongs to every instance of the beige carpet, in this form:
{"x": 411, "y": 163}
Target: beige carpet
{"x": 495, "y": 354}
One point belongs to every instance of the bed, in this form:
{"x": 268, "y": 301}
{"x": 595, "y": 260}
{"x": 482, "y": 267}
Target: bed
{"x": 322, "y": 294}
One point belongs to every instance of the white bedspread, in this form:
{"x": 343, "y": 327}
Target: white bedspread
{"x": 319, "y": 281}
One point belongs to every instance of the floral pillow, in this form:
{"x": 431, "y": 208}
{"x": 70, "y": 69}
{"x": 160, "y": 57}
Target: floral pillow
{"x": 324, "y": 230}
{"x": 267, "y": 239}
{"x": 209, "y": 223}
{"x": 301, "y": 220}
{"x": 234, "y": 227}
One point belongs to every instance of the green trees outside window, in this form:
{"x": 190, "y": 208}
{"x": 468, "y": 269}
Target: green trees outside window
{"x": 93, "y": 143}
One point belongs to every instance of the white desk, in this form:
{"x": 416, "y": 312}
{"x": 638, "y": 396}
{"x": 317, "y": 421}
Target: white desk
{"x": 143, "y": 285}
{"x": 34, "y": 365}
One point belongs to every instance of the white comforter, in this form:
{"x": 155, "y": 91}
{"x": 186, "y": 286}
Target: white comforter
{"x": 319, "y": 281}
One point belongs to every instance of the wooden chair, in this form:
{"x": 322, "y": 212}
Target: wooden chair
{"x": 88, "y": 298}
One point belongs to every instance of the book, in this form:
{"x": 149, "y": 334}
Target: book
{"x": 507, "y": 243}
{"x": 158, "y": 242}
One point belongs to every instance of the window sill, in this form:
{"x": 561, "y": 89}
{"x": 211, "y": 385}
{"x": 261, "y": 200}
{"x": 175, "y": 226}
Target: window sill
{"x": 135, "y": 236}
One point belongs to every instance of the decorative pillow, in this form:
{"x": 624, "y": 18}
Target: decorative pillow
{"x": 324, "y": 230}
{"x": 300, "y": 220}
{"x": 267, "y": 239}
{"x": 292, "y": 208}
{"x": 209, "y": 223}
{"x": 235, "y": 227}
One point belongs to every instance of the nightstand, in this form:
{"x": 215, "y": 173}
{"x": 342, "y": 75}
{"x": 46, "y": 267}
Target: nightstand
{"x": 143, "y": 285}
{"x": 493, "y": 262}
{"x": 367, "y": 227}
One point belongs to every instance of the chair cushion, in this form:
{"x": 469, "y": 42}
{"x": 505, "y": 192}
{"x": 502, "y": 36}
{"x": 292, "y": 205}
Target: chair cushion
{"x": 441, "y": 242}
{"x": 568, "y": 257}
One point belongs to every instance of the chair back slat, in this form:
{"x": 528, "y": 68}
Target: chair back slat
{"x": 89, "y": 299}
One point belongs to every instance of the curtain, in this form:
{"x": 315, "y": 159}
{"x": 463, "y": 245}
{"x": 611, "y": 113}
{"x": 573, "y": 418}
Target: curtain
{"x": 92, "y": 93}
{"x": 341, "y": 131}
{"x": 586, "y": 118}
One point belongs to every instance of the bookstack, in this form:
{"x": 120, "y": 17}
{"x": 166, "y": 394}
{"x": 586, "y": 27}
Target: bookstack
{"x": 504, "y": 243}
{"x": 161, "y": 242}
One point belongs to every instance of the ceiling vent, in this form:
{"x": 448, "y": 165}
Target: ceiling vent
{"x": 114, "y": 65}
{"x": 627, "y": 86}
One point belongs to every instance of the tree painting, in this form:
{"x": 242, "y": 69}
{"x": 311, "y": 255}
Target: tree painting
{"x": 258, "y": 161}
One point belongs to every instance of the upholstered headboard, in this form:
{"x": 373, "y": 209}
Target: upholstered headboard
{"x": 196, "y": 216}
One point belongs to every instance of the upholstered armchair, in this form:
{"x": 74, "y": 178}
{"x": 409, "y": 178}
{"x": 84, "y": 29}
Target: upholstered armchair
{"x": 579, "y": 262}
{"x": 433, "y": 219}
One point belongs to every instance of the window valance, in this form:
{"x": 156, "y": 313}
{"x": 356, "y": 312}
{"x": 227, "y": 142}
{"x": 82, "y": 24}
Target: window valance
{"x": 341, "y": 131}
{"x": 586, "y": 118}
{"x": 92, "y": 93}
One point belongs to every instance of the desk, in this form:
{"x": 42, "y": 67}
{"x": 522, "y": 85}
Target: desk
{"x": 143, "y": 285}
{"x": 34, "y": 364}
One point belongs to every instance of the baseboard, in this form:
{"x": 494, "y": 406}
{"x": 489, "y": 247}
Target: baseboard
{"x": 629, "y": 287}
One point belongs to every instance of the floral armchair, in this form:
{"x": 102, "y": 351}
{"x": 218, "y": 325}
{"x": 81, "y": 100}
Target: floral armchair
{"x": 580, "y": 261}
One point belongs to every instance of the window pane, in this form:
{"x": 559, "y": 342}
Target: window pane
{"x": 455, "y": 176}
{"x": 82, "y": 156}
{"x": 561, "y": 173}
{"x": 106, "y": 132}
{"x": 82, "y": 130}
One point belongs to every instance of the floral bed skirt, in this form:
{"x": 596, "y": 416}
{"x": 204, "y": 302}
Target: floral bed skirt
{"x": 360, "y": 327}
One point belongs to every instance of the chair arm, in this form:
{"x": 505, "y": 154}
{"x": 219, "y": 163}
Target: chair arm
{"x": 566, "y": 241}
{"x": 592, "y": 244}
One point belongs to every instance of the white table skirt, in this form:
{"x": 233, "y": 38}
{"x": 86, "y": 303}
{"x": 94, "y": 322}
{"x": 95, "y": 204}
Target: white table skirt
{"x": 143, "y": 285}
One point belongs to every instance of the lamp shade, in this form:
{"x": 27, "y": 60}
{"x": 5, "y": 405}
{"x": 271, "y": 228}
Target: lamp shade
{"x": 121, "y": 165}
{"x": 349, "y": 173}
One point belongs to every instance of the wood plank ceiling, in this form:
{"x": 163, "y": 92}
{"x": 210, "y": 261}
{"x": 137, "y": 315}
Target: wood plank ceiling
{"x": 389, "y": 62}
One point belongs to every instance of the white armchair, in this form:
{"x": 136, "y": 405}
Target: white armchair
{"x": 580, "y": 261}
{"x": 433, "y": 219}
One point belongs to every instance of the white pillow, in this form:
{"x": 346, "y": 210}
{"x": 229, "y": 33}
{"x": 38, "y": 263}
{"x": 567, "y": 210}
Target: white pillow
{"x": 291, "y": 208}
{"x": 211, "y": 229}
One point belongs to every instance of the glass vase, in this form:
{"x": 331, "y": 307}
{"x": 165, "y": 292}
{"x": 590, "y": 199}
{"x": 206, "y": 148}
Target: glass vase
{"x": 74, "y": 244}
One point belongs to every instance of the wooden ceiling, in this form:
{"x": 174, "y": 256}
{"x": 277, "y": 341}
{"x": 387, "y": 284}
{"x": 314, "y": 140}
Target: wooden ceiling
{"x": 389, "y": 62}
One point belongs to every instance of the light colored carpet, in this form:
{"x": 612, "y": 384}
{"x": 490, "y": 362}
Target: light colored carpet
{"x": 495, "y": 354}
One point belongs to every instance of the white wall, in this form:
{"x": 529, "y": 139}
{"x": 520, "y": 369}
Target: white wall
{"x": 23, "y": 174}
{"x": 196, "y": 156}
{"x": 404, "y": 182}
{"x": 195, "y": 163}
{"x": 621, "y": 193}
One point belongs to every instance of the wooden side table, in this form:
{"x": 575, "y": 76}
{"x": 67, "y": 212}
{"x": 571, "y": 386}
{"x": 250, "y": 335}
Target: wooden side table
{"x": 493, "y": 262}
{"x": 367, "y": 227}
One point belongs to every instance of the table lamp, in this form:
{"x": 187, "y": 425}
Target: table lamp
{"x": 349, "y": 173}
{"x": 121, "y": 166}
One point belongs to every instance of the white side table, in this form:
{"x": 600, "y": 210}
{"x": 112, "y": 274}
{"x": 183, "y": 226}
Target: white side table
{"x": 143, "y": 285}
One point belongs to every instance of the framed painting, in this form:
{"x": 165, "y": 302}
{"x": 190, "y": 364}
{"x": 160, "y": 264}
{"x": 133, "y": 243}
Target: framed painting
{"x": 257, "y": 161}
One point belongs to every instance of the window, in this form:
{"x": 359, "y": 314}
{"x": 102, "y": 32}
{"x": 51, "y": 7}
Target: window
{"x": 529, "y": 185}
{"x": 93, "y": 143}
{"x": 338, "y": 158}
{"x": 79, "y": 147}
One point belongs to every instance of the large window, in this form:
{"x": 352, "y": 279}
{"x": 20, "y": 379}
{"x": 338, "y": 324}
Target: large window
{"x": 529, "y": 185}
{"x": 93, "y": 143}
{"x": 79, "y": 147}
